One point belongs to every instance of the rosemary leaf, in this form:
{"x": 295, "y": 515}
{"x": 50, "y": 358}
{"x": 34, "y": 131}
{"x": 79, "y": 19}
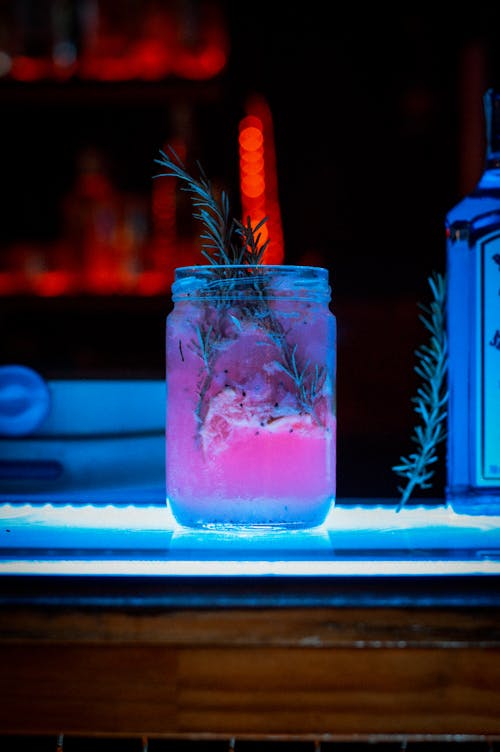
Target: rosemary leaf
{"x": 431, "y": 399}
{"x": 227, "y": 245}
{"x": 225, "y": 241}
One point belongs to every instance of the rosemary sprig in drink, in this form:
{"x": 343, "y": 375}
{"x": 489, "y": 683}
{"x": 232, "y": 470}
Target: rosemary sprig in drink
{"x": 235, "y": 251}
{"x": 226, "y": 240}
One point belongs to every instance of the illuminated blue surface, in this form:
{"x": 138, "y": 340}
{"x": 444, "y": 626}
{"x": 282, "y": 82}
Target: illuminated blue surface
{"x": 360, "y": 539}
{"x": 99, "y": 437}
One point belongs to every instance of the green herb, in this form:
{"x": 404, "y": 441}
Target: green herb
{"x": 205, "y": 345}
{"x": 235, "y": 251}
{"x": 226, "y": 241}
{"x": 431, "y": 399}
{"x": 307, "y": 380}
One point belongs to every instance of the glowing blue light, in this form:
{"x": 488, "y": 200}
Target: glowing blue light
{"x": 145, "y": 540}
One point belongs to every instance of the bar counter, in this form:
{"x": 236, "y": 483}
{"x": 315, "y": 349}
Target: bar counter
{"x": 115, "y": 623}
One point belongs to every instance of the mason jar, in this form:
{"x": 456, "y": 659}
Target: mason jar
{"x": 251, "y": 397}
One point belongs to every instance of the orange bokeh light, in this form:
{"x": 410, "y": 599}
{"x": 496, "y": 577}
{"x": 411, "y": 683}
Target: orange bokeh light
{"x": 251, "y": 138}
{"x": 253, "y": 185}
{"x": 258, "y": 179}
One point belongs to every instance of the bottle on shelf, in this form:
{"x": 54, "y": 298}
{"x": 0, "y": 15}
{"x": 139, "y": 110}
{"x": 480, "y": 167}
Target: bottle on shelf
{"x": 105, "y": 230}
{"x": 473, "y": 328}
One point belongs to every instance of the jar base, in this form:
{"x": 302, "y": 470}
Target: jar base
{"x": 251, "y": 523}
{"x": 250, "y": 527}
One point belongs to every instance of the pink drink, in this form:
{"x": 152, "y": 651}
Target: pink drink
{"x": 251, "y": 402}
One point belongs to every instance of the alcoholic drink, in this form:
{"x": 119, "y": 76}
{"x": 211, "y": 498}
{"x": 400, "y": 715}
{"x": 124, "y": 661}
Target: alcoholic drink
{"x": 473, "y": 323}
{"x": 251, "y": 428}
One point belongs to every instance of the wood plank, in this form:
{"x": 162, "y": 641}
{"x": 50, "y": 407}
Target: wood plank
{"x": 400, "y": 627}
{"x": 305, "y": 673}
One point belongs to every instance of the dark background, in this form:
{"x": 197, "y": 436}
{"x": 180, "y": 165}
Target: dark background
{"x": 378, "y": 130}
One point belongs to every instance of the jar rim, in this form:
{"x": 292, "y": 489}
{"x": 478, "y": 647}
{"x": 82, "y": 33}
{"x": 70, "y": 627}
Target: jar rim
{"x": 209, "y": 281}
{"x": 194, "y": 268}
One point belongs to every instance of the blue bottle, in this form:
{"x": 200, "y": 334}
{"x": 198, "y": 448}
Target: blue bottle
{"x": 473, "y": 329}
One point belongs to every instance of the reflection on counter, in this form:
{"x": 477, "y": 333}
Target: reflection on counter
{"x": 356, "y": 539}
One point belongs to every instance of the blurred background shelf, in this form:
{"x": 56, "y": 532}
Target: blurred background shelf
{"x": 374, "y": 130}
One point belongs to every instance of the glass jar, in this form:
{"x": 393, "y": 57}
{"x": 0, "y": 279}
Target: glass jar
{"x": 251, "y": 399}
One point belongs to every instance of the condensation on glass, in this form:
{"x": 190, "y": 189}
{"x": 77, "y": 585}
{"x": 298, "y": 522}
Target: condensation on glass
{"x": 251, "y": 397}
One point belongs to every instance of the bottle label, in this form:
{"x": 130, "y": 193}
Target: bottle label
{"x": 488, "y": 362}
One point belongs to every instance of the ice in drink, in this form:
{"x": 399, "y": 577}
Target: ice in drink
{"x": 250, "y": 421}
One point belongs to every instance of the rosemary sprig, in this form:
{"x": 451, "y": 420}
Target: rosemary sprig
{"x": 205, "y": 345}
{"x": 430, "y": 401}
{"x": 307, "y": 380}
{"x": 226, "y": 240}
{"x": 230, "y": 245}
